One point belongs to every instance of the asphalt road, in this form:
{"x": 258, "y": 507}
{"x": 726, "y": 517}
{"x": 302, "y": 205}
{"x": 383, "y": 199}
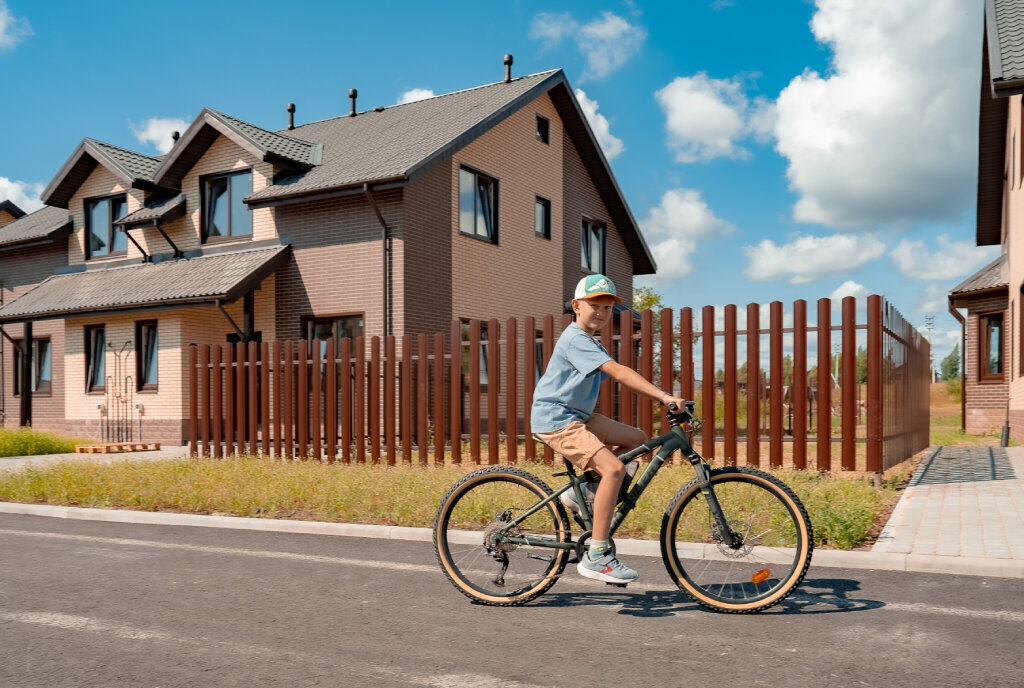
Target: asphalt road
{"x": 106, "y": 604}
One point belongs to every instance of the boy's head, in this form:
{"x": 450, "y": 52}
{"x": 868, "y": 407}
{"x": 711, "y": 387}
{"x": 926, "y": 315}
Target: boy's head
{"x": 594, "y": 286}
{"x": 592, "y": 301}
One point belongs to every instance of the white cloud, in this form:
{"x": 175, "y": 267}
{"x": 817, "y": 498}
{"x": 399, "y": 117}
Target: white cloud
{"x": 705, "y": 117}
{"x": 606, "y": 43}
{"x": 849, "y": 288}
{"x": 25, "y": 195}
{"x": 611, "y": 145}
{"x": 934, "y": 299}
{"x": 952, "y": 259}
{"x": 888, "y": 134}
{"x": 673, "y": 228}
{"x": 808, "y": 257}
{"x": 414, "y": 94}
{"x": 157, "y": 131}
{"x": 12, "y": 29}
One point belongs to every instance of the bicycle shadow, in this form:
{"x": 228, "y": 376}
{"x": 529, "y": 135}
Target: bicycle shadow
{"x": 814, "y": 596}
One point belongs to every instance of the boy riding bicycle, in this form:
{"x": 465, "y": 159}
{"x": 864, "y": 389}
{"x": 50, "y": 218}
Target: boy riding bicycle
{"x": 563, "y": 415}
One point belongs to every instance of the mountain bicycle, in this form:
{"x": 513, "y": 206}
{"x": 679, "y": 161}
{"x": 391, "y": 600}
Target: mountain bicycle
{"x": 734, "y": 539}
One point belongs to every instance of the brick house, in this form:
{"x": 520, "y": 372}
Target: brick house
{"x": 490, "y": 202}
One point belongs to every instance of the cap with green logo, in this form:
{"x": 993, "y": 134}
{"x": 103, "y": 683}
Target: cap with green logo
{"x": 593, "y": 286}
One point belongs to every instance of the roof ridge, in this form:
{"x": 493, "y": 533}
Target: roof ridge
{"x": 126, "y": 150}
{"x": 269, "y": 131}
{"x": 442, "y": 95}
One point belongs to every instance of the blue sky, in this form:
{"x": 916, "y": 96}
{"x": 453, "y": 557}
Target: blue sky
{"x": 770, "y": 150}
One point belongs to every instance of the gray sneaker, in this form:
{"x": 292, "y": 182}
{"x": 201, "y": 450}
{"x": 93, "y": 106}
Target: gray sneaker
{"x": 605, "y": 568}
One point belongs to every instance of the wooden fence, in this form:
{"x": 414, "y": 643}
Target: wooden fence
{"x": 405, "y": 399}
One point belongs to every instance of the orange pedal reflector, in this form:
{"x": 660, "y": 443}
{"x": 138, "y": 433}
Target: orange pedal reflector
{"x": 761, "y": 576}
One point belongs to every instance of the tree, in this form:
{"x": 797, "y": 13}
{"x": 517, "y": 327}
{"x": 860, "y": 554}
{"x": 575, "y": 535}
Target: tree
{"x": 951, "y": 364}
{"x": 862, "y": 365}
{"x": 645, "y": 298}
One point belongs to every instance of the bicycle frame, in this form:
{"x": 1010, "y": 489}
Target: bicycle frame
{"x": 666, "y": 444}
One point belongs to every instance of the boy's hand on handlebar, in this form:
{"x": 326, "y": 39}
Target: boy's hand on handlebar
{"x": 674, "y": 404}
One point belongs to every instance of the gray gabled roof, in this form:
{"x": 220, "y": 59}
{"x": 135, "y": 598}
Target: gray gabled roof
{"x": 134, "y": 169}
{"x": 992, "y": 276}
{"x": 222, "y": 277}
{"x": 1004, "y": 20}
{"x": 45, "y": 225}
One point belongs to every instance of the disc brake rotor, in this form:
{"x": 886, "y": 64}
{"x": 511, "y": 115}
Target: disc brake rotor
{"x": 743, "y": 531}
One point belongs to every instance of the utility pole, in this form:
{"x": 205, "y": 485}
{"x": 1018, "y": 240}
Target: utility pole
{"x": 929, "y": 324}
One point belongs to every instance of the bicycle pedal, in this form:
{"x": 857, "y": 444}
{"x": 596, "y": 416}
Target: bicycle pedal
{"x": 617, "y": 585}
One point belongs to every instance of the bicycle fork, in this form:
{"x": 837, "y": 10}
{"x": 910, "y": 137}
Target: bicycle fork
{"x": 729, "y": 538}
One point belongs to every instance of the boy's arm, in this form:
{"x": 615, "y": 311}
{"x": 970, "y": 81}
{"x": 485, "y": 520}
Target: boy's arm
{"x": 636, "y": 382}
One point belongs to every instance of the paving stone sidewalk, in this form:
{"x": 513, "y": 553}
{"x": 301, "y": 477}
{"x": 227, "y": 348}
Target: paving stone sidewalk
{"x": 965, "y": 502}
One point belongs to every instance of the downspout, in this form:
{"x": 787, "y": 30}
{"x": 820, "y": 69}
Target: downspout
{"x": 385, "y": 242}
{"x": 963, "y": 366}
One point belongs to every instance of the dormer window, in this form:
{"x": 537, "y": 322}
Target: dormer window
{"x": 102, "y": 238}
{"x": 224, "y": 212}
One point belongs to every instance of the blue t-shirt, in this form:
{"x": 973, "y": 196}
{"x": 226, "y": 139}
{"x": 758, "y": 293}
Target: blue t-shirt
{"x": 568, "y": 389}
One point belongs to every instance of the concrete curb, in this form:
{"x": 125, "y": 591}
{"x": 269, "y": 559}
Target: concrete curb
{"x": 885, "y": 561}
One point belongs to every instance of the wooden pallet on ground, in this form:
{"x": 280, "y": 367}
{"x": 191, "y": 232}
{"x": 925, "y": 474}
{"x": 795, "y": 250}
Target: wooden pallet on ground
{"x": 115, "y": 447}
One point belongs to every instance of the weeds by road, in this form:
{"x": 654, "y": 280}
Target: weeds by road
{"x": 29, "y": 442}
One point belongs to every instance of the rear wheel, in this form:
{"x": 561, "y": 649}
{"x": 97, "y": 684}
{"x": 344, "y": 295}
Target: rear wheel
{"x": 772, "y": 549}
{"x": 471, "y": 552}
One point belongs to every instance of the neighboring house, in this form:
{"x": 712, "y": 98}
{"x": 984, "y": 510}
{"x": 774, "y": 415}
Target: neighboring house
{"x": 9, "y": 212}
{"x": 486, "y": 203}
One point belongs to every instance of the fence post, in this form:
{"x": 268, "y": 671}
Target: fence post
{"x": 474, "y": 391}
{"x": 626, "y": 359}
{"x": 374, "y": 399}
{"x": 548, "y": 347}
{"x": 278, "y": 399}
{"x": 753, "y": 384}
{"x": 289, "y": 399}
{"x": 529, "y": 373}
{"x": 229, "y": 400}
{"x": 265, "y": 398}
{"x": 218, "y": 404}
{"x": 405, "y": 399}
{"x": 455, "y": 391}
{"x": 193, "y": 405}
{"x": 686, "y": 354}
{"x": 731, "y": 389}
{"x": 645, "y": 403}
{"x": 423, "y": 400}
{"x": 775, "y": 354}
{"x": 798, "y": 398}
{"x": 389, "y": 399}
{"x": 824, "y": 437}
{"x": 302, "y": 400}
{"x": 493, "y": 389}
{"x": 331, "y": 397}
{"x": 511, "y": 388}
{"x": 240, "y": 395}
{"x": 875, "y": 400}
{"x": 346, "y": 396}
{"x": 439, "y": 420}
{"x": 253, "y": 399}
{"x": 849, "y": 391}
{"x": 667, "y": 359}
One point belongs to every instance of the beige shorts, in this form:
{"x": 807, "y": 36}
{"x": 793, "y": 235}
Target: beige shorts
{"x": 579, "y": 442}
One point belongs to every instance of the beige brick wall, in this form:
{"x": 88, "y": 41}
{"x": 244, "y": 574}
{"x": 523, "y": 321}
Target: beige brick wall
{"x": 100, "y": 182}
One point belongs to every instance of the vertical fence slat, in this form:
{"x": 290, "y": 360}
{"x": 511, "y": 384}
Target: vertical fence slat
{"x": 647, "y": 370}
{"x": 874, "y": 420}
{"x": 374, "y": 403}
{"x": 824, "y": 383}
{"x": 302, "y": 401}
{"x": 289, "y": 399}
{"x": 474, "y": 391}
{"x": 206, "y": 373}
{"x": 529, "y": 380}
{"x": 849, "y": 417}
{"x": 605, "y": 395}
{"x": 707, "y": 335}
{"x": 240, "y": 395}
{"x": 753, "y": 384}
{"x": 253, "y": 398}
{"x": 423, "y": 399}
{"x": 331, "y": 400}
{"x": 798, "y": 398}
{"x": 193, "y": 404}
{"x": 218, "y": 401}
{"x": 389, "y": 399}
{"x": 667, "y": 375}
{"x": 626, "y": 358}
{"x": 511, "y": 388}
{"x": 548, "y": 346}
{"x": 346, "y": 400}
{"x": 439, "y": 421}
{"x": 455, "y": 391}
{"x": 315, "y": 366}
{"x": 229, "y": 400}
{"x": 775, "y": 354}
{"x": 406, "y": 397}
{"x": 359, "y": 431}
{"x": 278, "y": 398}
{"x": 493, "y": 388}
{"x": 731, "y": 388}
{"x": 264, "y": 371}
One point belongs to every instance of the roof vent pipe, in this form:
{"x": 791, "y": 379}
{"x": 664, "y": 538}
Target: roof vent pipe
{"x": 352, "y": 94}
{"x": 175, "y": 136}
{"x": 291, "y": 115}
{"x": 508, "y": 67}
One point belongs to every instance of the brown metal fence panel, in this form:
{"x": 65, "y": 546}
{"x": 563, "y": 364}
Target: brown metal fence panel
{"x": 276, "y": 399}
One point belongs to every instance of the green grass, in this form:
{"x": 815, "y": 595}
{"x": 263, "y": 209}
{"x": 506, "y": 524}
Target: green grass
{"x": 29, "y": 442}
{"x": 842, "y": 510}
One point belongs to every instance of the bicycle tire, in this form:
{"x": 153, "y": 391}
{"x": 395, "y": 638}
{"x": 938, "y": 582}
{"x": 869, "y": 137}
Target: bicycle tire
{"x": 484, "y": 499}
{"x": 777, "y": 536}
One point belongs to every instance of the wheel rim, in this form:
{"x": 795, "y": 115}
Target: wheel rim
{"x": 477, "y": 513}
{"x": 762, "y": 567}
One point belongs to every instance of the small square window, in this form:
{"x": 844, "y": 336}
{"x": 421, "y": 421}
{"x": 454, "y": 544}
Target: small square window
{"x": 542, "y": 218}
{"x": 543, "y": 129}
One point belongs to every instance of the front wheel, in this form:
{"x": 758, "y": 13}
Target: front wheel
{"x": 483, "y": 565}
{"x": 772, "y": 545}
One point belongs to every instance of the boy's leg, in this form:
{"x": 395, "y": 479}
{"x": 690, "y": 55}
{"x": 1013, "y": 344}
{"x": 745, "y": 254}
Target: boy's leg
{"x": 611, "y": 470}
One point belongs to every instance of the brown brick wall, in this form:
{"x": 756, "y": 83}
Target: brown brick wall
{"x": 6, "y": 218}
{"x": 426, "y": 271}
{"x": 986, "y": 400}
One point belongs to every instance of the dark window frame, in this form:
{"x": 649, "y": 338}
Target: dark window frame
{"x": 141, "y": 360}
{"x": 464, "y": 328}
{"x": 585, "y": 254}
{"x": 310, "y": 321}
{"x": 36, "y": 358}
{"x": 545, "y": 232}
{"x": 543, "y": 129}
{"x": 91, "y": 388}
{"x": 494, "y": 198}
{"x": 204, "y": 183}
{"x": 984, "y": 346}
{"x": 111, "y": 229}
